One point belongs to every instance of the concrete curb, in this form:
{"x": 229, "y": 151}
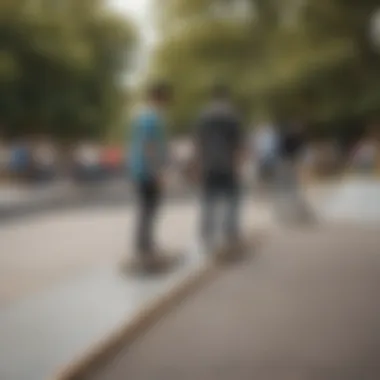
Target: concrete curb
{"x": 126, "y": 334}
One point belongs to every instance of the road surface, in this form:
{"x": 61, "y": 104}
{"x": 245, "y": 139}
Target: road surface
{"x": 305, "y": 307}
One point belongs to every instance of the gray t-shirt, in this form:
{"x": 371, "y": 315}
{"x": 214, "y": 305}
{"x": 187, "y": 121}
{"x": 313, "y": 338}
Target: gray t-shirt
{"x": 218, "y": 139}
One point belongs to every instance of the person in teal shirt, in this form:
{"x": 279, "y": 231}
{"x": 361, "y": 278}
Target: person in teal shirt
{"x": 148, "y": 145}
{"x": 148, "y": 156}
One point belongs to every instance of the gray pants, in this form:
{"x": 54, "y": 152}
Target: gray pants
{"x": 225, "y": 194}
{"x": 290, "y": 203}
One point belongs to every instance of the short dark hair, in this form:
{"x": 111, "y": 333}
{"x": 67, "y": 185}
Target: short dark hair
{"x": 221, "y": 91}
{"x": 160, "y": 91}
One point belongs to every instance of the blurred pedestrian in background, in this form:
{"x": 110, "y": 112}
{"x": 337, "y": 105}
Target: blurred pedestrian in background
{"x": 20, "y": 160}
{"x": 87, "y": 165}
{"x": 290, "y": 204}
{"x": 265, "y": 149}
{"x": 148, "y": 158}
{"x": 219, "y": 150}
{"x": 44, "y": 160}
{"x": 366, "y": 154}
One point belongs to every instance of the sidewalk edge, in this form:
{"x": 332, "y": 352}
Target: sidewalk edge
{"x": 131, "y": 330}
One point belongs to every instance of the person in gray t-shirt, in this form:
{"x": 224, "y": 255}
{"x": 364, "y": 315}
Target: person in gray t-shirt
{"x": 218, "y": 144}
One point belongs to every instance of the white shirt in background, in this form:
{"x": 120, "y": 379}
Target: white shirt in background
{"x": 265, "y": 142}
{"x": 88, "y": 155}
{"x": 366, "y": 153}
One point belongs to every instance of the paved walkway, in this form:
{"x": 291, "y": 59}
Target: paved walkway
{"x": 58, "y": 273}
{"x": 61, "y": 290}
{"x": 42, "y": 252}
{"x": 305, "y": 307}
{"x": 357, "y": 199}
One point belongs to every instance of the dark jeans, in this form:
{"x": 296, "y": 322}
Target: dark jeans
{"x": 227, "y": 190}
{"x": 148, "y": 197}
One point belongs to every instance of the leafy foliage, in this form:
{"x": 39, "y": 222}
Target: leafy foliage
{"x": 60, "y": 63}
{"x": 311, "y": 59}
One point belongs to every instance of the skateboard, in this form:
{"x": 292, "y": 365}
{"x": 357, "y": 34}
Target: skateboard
{"x": 232, "y": 253}
{"x": 159, "y": 262}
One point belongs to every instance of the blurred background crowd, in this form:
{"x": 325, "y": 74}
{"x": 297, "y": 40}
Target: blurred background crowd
{"x": 43, "y": 160}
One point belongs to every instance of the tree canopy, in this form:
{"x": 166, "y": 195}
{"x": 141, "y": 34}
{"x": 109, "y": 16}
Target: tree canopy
{"x": 312, "y": 59}
{"x": 61, "y": 63}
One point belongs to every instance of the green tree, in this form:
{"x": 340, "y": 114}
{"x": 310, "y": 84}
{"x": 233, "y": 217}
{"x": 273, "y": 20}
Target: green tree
{"x": 60, "y": 67}
{"x": 313, "y": 59}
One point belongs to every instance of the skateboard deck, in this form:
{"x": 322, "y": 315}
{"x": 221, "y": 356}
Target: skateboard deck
{"x": 233, "y": 253}
{"x": 158, "y": 263}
